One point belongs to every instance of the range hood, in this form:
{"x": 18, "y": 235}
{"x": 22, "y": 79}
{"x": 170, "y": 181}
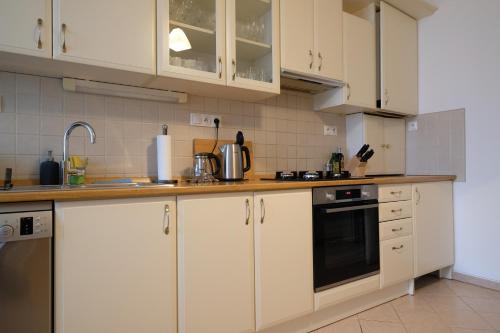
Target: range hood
{"x": 309, "y": 83}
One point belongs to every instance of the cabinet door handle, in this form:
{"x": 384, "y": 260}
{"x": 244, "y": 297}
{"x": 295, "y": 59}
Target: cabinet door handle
{"x": 63, "y": 33}
{"x": 386, "y": 93}
{"x": 220, "y": 67}
{"x": 348, "y": 91}
{"x": 262, "y": 211}
{"x": 388, "y": 146}
{"x": 234, "y": 69}
{"x": 417, "y": 192}
{"x": 320, "y": 61}
{"x": 397, "y": 229}
{"x": 396, "y": 192}
{"x": 312, "y": 59}
{"x": 397, "y": 210}
{"x": 39, "y": 24}
{"x": 166, "y": 220}
{"x": 247, "y": 219}
{"x": 394, "y": 248}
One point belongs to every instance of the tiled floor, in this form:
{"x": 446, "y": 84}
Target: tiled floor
{"x": 439, "y": 306}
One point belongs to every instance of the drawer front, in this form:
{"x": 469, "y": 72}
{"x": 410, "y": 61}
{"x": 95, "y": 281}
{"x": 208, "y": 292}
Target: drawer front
{"x": 397, "y": 210}
{"x": 395, "y": 229}
{"x": 394, "y": 193}
{"x": 396, "y": 261}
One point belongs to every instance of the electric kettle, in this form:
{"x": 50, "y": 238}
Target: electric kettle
{"x": 232, "y": 161}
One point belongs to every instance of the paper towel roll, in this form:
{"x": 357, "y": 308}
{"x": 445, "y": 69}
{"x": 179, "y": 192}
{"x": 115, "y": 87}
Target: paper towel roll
{"x": 164, "y": 157}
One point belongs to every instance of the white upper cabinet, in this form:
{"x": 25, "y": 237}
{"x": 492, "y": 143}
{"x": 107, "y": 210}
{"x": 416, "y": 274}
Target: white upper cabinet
{"x": 215, "y": 265}
{"x": 228, "y": 42}
{"x": 204, "y": 24}
{"x": 253, "y": 44}
{"x": 26, "y": 27}
{"x": 311, "y": 38}
{"x": 118, "y": 34}
{"x": 283, "y": 256}
{"x": 433, "y": 226}
{"x": 115, "y": 266}
{"x": 398, "y": 61}
{"x": 297, "y": 40}
{"x": 386, "y": 136}
{"x": 328, "y": 38}
{"x": 359, "y": 62}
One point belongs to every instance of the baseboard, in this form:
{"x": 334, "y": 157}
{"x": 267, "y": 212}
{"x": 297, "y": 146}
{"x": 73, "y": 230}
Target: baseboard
{"x": 476, "y": 281}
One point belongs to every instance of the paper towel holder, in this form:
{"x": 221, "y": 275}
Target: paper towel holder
{"x": 164, "y": 130}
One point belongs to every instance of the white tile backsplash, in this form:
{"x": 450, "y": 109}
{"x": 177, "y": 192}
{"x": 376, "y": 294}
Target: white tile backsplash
{"x": 286, "y": 132}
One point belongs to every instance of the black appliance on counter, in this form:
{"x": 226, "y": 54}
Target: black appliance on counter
{"x": 311, "y": 176}
{"x": 345, "y": 234}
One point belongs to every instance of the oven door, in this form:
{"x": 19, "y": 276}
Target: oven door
{"x": 346, "y": 243}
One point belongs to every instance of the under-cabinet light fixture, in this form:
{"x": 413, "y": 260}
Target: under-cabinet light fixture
{"x": 178, "y": 40}
{"x": 119, "y": 90}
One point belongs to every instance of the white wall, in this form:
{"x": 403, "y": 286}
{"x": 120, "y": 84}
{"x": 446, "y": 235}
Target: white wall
{"x": 460, "y": 67}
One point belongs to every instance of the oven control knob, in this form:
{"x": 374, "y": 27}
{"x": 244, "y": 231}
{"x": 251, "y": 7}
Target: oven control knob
{"x": 330, "y": 196}
{"x": 6, "y": 231}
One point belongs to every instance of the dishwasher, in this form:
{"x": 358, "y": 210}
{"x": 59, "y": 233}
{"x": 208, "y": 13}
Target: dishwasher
{"x": 26, "y": 267}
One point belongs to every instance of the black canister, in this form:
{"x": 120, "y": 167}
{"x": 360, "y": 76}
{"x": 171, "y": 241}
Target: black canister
{"x": 49, "y": 171}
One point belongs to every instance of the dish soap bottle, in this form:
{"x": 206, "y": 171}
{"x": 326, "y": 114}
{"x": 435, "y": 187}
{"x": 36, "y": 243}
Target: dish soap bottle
{"x": 49, "y": 171}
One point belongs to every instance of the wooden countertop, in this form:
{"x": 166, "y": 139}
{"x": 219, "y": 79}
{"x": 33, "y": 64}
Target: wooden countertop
{"x": 184, "y": 188}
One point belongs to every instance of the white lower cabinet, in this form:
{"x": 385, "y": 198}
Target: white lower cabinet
{"x": 396, "y": 261}
{"x": 115, "y": 266}
{"x": 283, "y": 256}
{"x": 433, "y": 226}
{"x": 215, "y": 265}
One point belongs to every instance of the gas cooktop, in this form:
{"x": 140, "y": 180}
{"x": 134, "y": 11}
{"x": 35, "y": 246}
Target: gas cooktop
{"x": 295, "y": 176}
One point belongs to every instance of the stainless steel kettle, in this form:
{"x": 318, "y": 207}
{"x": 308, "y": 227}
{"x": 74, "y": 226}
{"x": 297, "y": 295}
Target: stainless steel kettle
{"x": 232, "y": 161}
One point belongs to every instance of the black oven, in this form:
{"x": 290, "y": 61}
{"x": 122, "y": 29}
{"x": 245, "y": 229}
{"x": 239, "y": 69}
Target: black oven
{"x": 345, "y": 231}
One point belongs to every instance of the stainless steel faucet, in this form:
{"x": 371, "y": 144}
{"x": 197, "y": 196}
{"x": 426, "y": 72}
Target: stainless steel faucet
{"x": 66, "y": 165}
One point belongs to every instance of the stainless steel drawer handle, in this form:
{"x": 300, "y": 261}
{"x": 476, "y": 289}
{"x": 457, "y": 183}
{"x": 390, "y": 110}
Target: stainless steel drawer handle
{"x": 396, "y": 192}
{"x": 220, "y": 67}
{"x": 262, "y": 211}
{"x": 63, "y": 31}
{"x": 394, "y": 248}
{"x": 247, "y": 219}
{"x": 398, "y": 229}
{"x": 166, "y": 218}
{"x": 348, "y": 209}
{"x": 400, "y": 210}
{"x": 320, "y": 61}
{"x": 312, "y": 59}
{"x": 39, "y": 24}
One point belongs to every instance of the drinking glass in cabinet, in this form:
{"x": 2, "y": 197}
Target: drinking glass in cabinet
{"x": 254, "y": 40}
{"x": 192, "y": 34}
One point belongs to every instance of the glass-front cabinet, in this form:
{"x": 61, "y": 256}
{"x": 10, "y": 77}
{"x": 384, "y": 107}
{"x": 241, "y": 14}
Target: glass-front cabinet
{"x": 191, "y": 39}
{"x": 253, "y": 43}
{"x": 226, "y": 42}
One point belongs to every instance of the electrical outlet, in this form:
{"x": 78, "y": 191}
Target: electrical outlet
{"x": 330, "y": 130}
{"x": 203, "y": 120}
{"x": 412, "y": 126}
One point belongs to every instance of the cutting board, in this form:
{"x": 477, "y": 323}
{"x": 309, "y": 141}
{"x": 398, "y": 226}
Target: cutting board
{"x": 206, "y": 146}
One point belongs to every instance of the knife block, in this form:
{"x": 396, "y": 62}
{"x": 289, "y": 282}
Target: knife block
{"x": 359, "y": 170}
